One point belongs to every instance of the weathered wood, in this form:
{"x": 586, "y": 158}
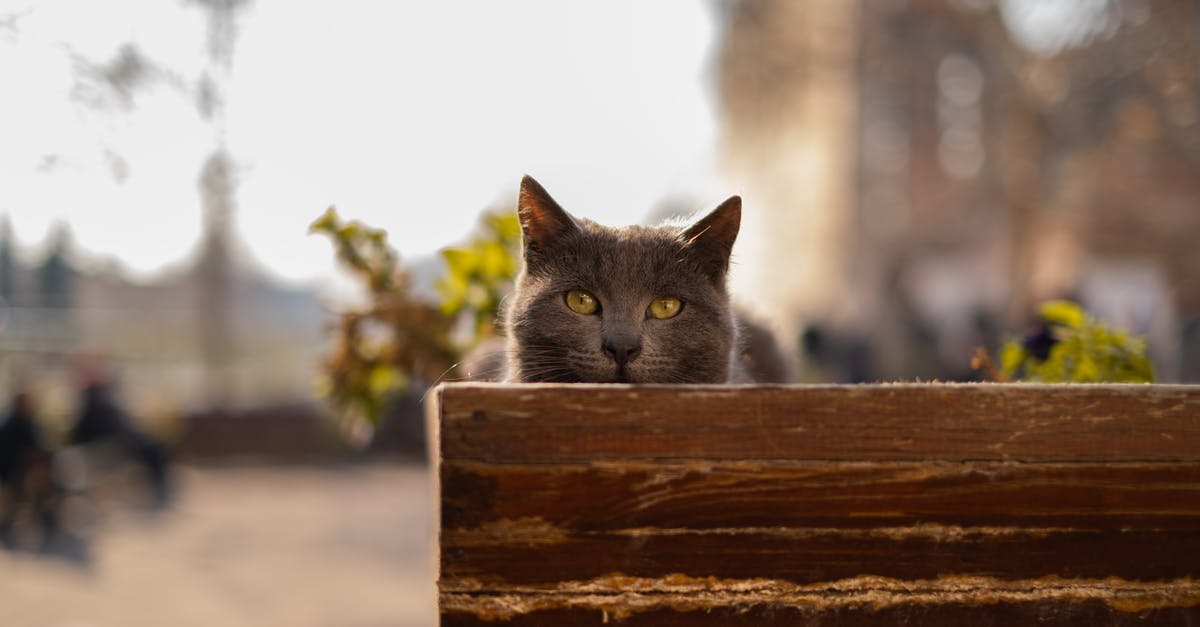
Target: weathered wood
{"x": 827, "y": 555}
{"x": 715, "y": 495}
{"x": 536, "y": 424}
{"x": 1048, "y": 613}
{"x": 832, "y": 505}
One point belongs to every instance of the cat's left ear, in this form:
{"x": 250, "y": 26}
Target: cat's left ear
{"x": 709, "y": 241}
{"x": 543, "y": 223}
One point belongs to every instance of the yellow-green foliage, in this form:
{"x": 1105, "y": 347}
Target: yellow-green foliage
{"x": 1073, "y": 347}
{"x": 381, "y": 349}
{"x": 397, "y": 339}
{"x": 479, "y": 274}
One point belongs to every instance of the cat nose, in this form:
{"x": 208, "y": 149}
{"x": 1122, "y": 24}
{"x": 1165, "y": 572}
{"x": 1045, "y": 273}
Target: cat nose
{"x": 623, "y": 349}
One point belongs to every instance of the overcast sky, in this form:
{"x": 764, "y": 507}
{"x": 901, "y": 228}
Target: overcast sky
{"x": 410, "y": 116}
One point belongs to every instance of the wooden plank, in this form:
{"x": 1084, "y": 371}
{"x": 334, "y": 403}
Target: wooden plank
{"x": 588, "y": 423}
{"x": 992, "y": 614}
{"x": 807, "y": 522}
{"x": 715, "y": 495}
{"x": 831, "y": 505}
{"x": 628, "y": 600}
{"x": 818, "y": 555}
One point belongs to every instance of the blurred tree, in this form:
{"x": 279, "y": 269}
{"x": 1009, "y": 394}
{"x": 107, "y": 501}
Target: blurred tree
{"x": 394, "y": 342}
{"x": 218, "y": 185}
{"x": 398, "y": 340}
{"x": 112, "y": 86}
{"x": 215, "y": 276}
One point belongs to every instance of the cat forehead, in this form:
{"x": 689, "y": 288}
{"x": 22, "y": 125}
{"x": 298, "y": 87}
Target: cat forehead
{"x": 632, "y": 245}
{"x": 664, "y": 237}
{"x": 628, "y": 260}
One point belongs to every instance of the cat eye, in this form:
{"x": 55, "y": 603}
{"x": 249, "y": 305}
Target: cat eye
{"x": 582, "y": 302}
{"x": 665, "y": 307}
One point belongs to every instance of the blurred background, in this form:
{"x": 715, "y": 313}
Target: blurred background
{"x": 917, "y": 176}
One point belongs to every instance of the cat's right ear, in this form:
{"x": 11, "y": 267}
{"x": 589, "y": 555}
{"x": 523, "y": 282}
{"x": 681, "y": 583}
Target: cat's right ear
{"x": 709, "y": 241}
{"x": 543, "y": 223}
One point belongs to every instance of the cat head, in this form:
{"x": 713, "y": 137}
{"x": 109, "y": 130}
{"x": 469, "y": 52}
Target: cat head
{"x": 633, "y": 304}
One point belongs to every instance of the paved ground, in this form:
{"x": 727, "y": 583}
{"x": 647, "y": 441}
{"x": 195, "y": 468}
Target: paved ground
{"x": 243, "y": 546}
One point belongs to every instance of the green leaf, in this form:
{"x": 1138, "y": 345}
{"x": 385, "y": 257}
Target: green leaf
{"x": 327, "y": 223}
{"x": 350, "y": 231}
{"x": 496, "y": 262}
{"x": 383, "y": 379}
{"x": 505, "y": 225}
{"x": 461, "y": 261}
{"x": 453, "y": 290}
{"x": 1063, "y": 312}
{"x": 1012, "y": 356}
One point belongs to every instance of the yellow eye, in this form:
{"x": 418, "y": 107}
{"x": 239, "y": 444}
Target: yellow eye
{"x": 581, "y": 302}
{"x": 665, "y": 307}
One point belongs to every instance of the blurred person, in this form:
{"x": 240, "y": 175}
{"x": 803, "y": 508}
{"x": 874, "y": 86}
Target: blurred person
{"x": 102, "y": 423}
{"x": 25, "y": 471}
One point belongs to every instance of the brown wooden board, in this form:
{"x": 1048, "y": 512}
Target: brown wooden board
{"x": 586, "y": 423}
{"x": 716, "y": 495}
{"x": 999, "y": 614}
{"x": 831, "y": 505}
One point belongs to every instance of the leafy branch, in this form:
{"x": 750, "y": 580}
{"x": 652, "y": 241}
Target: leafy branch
{"x": 1070, "y": 346}
{"x": 398, "y": 340}
{"x": 394, "y": 341}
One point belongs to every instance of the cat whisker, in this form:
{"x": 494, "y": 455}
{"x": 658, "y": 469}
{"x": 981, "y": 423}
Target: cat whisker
{"x": 549, "y": 373}
{"x": 442, "y": 378}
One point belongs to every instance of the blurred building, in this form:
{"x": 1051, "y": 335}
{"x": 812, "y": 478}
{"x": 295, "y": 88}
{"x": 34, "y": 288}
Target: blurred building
{"x": 929, "y": 170}
{"x": 156, "y": 335}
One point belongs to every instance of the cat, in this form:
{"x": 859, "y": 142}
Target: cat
{"x": 626, "y": 305}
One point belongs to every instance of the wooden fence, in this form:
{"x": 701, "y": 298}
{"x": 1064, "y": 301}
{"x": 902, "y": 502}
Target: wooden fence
{"x": 925, "y": 504}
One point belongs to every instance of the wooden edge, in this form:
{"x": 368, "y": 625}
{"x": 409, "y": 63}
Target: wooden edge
{"x": 545, "y": 423}
{"x": 433, "y": 425}
{"x": 1187, "y": 388}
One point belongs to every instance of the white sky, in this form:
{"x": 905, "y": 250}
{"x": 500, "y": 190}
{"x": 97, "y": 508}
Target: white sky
{"x": 410, "y": 116}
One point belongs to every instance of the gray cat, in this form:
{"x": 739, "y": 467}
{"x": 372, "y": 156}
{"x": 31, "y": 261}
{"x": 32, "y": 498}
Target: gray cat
{"x": 626, "y": 305}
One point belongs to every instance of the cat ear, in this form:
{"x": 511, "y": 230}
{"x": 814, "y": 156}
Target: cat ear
{"x": 543, "y": 222}
{"x": 710, "y": 240}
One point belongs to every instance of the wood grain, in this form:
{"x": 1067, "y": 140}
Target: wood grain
{"x": 819, "y": 494}
{"x": 588, "y": 423}
{"x": 1052, "y": 613}
{"x": 830, "y": 505}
